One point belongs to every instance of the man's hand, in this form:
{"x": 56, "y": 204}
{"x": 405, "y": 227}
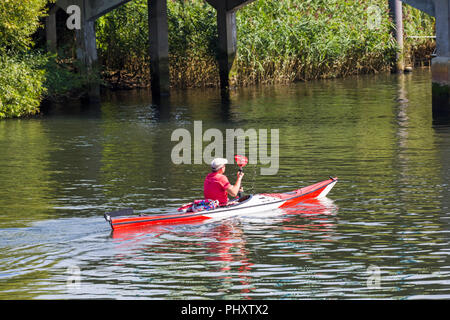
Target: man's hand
{"x": 233, "y": 190}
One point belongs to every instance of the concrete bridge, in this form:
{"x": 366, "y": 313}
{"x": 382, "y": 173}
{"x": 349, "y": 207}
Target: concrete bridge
{"x": 227, "y": 46}
{"x": 158, "y": 34}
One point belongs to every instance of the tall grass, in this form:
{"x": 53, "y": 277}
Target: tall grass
{"x": 417, "y": 30}
{"x": 302, "y": 40}
{"x": 123, "y": 40}
{"x": 278, "y": 41}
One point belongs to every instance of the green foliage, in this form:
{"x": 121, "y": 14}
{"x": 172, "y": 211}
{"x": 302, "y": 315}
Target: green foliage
{"x": 300, "y": 40}
{"x": 26, "y": 76}
{"x": 21, "y": 73}
{"x": 123, "y": 41}
{"x": 278, "y": 41}
{"x": 21, "y": 89}
{"x": 62, "y": 79}
{"x": 192, "y": 43}
{"x": 122, "y": 35}
{"x": 18, "y": 21}
{"x": 417, "y": 31}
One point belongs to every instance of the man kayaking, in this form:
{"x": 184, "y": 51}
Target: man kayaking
{"x": 217, "y": 186}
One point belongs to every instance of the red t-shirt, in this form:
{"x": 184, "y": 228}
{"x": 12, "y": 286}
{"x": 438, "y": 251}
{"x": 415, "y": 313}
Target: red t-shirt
{"x": 215, "y": 187}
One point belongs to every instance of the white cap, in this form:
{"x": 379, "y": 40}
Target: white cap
{"x": 218, "y": 163}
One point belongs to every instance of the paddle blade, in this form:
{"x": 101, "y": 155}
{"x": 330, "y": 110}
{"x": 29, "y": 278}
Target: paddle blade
{"x": 241, "y": 161}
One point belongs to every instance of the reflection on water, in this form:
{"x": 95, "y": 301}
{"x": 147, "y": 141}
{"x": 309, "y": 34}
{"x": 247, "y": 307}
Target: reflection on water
{"x": 59, "y": 173}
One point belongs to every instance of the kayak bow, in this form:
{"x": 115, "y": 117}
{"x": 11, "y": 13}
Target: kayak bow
{"x": 247, "y": 204}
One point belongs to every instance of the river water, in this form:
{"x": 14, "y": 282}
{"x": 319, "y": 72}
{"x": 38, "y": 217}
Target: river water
{"x": 383, "y": 231}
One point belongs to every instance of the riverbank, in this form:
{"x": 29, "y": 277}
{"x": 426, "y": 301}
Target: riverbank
{"x": 278, "y": 42}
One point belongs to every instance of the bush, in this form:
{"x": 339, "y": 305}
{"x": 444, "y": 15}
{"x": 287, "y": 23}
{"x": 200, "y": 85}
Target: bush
{"x": 21, "y": 85}
{"x": 62, "y": 79}
{"x": 18, "y": 21}
{"x": 21, "y": 73}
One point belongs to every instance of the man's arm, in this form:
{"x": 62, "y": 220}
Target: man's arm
{"x": 234, "y": 190}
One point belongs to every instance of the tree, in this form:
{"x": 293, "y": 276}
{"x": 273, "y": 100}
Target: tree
{"x": 21, "y": 72}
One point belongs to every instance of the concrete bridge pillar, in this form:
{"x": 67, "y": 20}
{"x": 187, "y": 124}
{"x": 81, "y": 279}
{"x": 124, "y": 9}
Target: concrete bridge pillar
{"x": 159, "y": 47}
{"x": 87, "y": 56}
{"x": 226, "y": 31}
{"x": 440, "y": 65}
{"x": 396, "y": 14}
{"x": 227, "y": 46}
{"x": 50, "y": 30}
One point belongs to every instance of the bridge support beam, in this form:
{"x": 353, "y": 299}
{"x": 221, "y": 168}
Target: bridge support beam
{"x": 227, "y": 46}
{"x": 50, "y": 30}
{"x": 226, "y": 31}
{"x": 396, "y": 14}
{"x": 87, "y": 56}
{"x": 440, "y": 73}
{"x": 159, "y": 47}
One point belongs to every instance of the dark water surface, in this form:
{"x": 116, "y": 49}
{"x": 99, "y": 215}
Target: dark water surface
{"x": 383, "y": 231}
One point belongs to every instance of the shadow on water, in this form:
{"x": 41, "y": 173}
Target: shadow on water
{"x": 225, "y": 108}
{"x": 162, "y": 105}
{"x": 70, "y": 108}
{"x": 441, "y": 114}
{"x": 159, "y": 108}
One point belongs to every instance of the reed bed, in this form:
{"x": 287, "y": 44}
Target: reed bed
{"x": 278, "y": 41}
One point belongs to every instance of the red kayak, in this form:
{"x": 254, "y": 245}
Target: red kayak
{"x": 245, "y": 205}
